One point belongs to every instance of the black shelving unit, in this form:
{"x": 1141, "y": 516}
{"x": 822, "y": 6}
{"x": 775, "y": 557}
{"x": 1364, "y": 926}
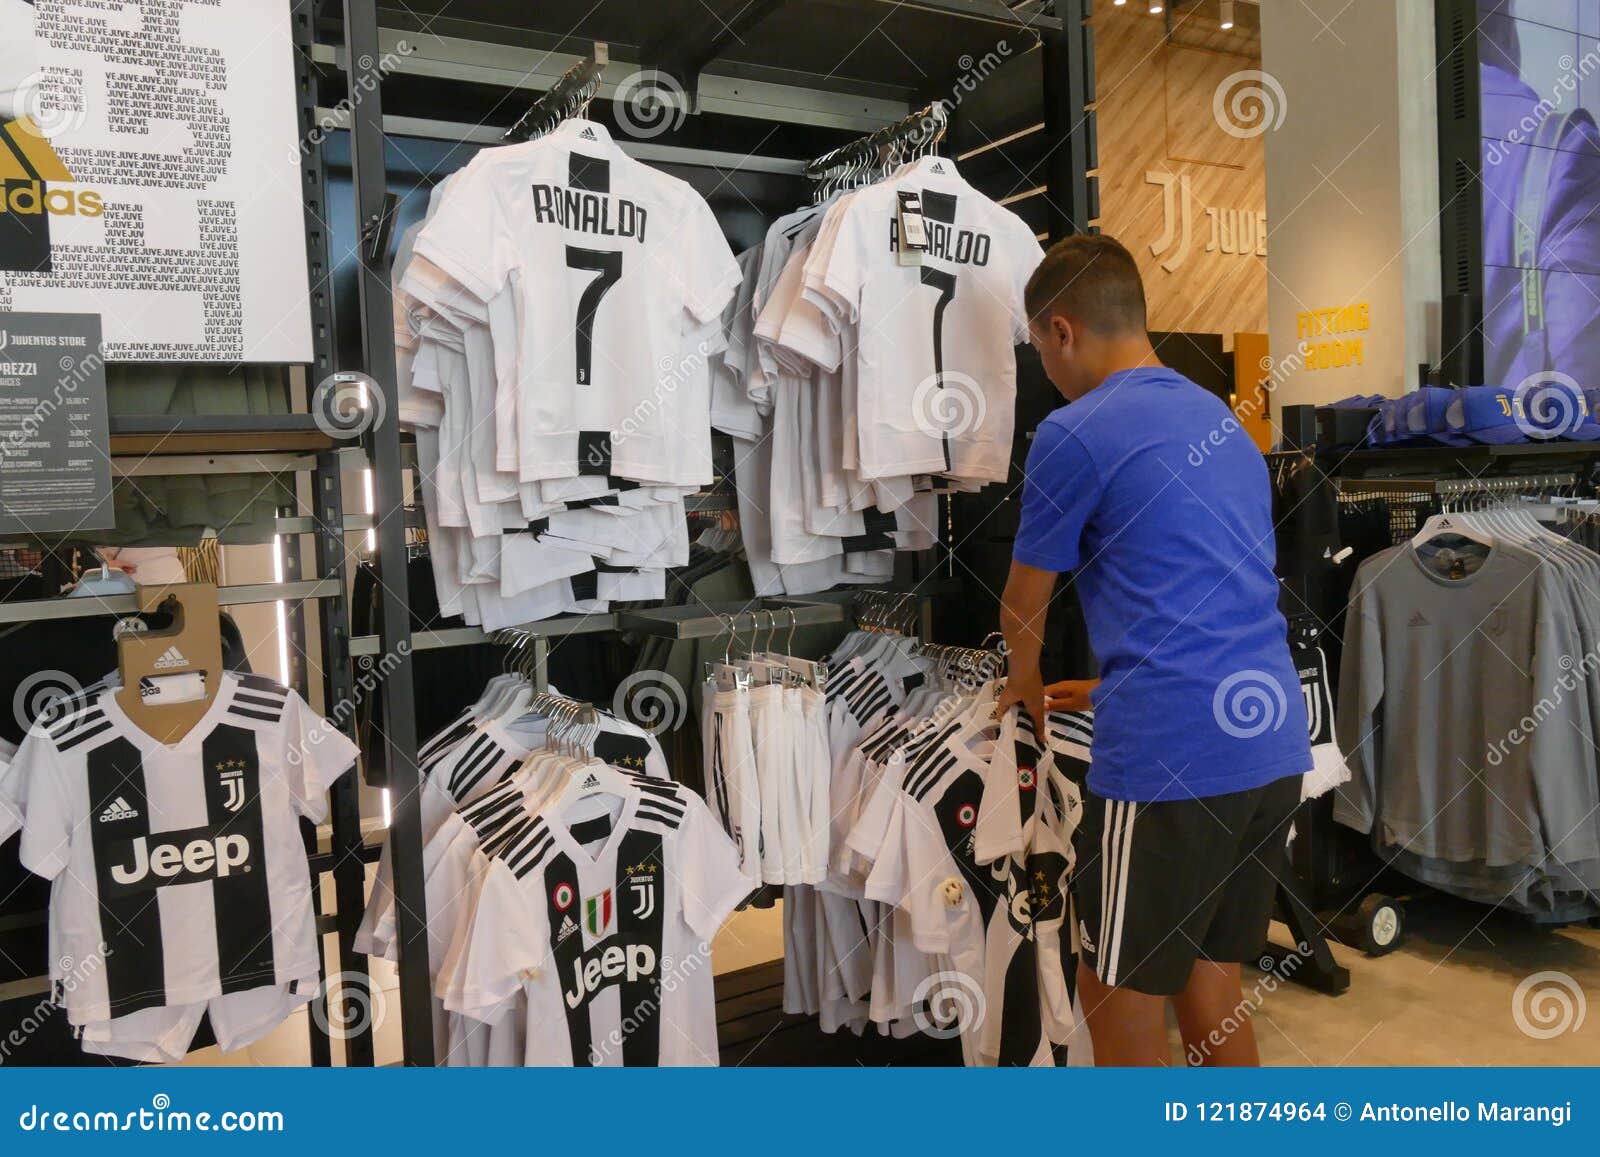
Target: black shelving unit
{"x": 765, "y": 85}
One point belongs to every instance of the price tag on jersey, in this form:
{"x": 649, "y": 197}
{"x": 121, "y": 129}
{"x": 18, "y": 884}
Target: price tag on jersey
{"x": 913, "y": 230}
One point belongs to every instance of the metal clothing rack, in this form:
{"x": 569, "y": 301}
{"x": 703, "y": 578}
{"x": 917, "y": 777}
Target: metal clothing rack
{"x": 739, "y": 69}
{"x": 1411, "y": 476}
{"x": 568, "y": 97}
{"x": 312, "y": 572}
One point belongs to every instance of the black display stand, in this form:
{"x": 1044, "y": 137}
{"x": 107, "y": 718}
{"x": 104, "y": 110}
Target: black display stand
{"x": 763, "y": 90}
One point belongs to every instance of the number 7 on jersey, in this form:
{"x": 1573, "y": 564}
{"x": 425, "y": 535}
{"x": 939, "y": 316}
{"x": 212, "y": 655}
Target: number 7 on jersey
{"x": 608, "y": 266}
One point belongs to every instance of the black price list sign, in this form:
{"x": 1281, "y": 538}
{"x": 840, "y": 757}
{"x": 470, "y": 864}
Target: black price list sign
{"x": 55, "y": 441}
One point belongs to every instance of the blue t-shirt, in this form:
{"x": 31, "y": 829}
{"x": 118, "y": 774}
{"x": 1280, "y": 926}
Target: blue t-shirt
{"x": 1148, "y": 488}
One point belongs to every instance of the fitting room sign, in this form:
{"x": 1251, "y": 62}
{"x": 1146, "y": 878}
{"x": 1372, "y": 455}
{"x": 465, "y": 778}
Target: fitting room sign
{"x": 55, "y": 474}
{"x": 150, "y": 162}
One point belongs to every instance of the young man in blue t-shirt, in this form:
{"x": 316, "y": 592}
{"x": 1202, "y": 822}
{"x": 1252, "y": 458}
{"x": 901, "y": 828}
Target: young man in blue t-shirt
{"x": 1147, "y": 489}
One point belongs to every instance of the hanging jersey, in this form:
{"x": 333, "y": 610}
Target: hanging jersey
{"x": 180, "y": 867}
{"x": 978, "y": 918}
{"x": 614, "y": 262}
{"x": 936, "y": 386}
{"x": 610, "y": 939}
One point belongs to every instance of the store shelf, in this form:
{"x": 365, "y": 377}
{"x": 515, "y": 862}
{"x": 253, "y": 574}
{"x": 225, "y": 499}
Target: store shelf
{"x": 556, "y": 628}
{"x": 213, "y": 434}
{"x": 1453, "y": 459}
{"x": 707, "y": 622}
{"x": 778, "y": 60}
{"x": 41, "y": 610}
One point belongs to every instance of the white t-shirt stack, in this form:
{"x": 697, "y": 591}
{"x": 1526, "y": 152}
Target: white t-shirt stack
{"x": 868, "y": 384}
{"x": 558, "y": 320}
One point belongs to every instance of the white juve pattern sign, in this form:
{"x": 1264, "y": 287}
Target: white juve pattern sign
{"x": 150, "y": 159}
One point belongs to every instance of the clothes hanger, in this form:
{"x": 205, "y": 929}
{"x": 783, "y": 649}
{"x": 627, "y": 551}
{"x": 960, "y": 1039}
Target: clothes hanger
{"x": 192, "y": 644}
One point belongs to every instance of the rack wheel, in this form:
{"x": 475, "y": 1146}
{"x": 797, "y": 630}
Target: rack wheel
{"x": 1382, "y": 925}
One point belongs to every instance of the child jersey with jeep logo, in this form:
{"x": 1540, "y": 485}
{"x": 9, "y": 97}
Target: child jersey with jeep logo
{"x": 609, "y": 938}
{"x": 994, "y": 927}
{"x": 179, "y": 868}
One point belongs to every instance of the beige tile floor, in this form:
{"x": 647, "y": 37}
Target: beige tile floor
{"x": 1444, "y": 998}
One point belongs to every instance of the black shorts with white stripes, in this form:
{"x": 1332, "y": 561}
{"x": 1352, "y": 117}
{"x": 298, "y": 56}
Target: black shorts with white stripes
{"x": 1158, "y": 886}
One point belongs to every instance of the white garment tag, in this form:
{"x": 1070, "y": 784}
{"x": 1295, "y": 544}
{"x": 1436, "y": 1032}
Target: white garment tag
{"x": 166, "y": 690}
{"x": 912, "y": 232}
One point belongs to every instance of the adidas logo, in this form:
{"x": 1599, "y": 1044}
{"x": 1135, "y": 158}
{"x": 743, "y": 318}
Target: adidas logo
{"x": 1084, "y": 942}
{"x": 118, "y": 809}
{"x": 588, "y": 135}
{"x": 936, "y": 168}
{"x": 171, "y": 657}
{"x": 566, "y": 930}
{"x": 590, "y": 780}
{"x": 1418, "y": 620}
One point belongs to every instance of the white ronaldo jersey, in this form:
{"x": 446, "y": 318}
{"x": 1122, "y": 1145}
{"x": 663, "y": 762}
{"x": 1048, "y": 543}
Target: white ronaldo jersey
{"x": 937, "y": 374}
{"x": 613, "y": 264}
{"x": 609, "y": 939}
{"x": 179, "y": 867}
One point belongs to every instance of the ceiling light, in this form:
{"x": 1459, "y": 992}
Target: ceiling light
{"x": 1227, "y": 14}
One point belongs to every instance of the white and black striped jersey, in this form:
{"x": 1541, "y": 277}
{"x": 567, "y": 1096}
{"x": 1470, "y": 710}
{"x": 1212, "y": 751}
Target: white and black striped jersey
{"x": 470, "y": 758}
{"x": 605, "y": 921}
{"x": 984, "y": 921}
{"x": 179, "y": 868}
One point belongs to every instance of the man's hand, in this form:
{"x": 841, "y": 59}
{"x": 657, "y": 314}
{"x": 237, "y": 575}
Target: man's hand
{"x": 1027, "y": 690}
{"x": 1069, "y": 695}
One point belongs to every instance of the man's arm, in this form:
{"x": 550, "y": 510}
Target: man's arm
{"x": 1023, "y": 608}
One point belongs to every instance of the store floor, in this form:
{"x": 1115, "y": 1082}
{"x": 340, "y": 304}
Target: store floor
{"x": 1444, "y": 998}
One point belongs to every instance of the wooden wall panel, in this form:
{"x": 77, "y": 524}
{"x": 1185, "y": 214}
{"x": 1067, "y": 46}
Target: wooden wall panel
{"x": 1162, "y": 150}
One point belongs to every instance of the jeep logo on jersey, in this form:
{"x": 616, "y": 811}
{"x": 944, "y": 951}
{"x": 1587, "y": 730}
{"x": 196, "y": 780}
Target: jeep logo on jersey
{"x": 168, "y": 858}
{"x": 593, "y": 970}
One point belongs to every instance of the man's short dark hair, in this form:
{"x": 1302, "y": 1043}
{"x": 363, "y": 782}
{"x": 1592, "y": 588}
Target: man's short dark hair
{"x": 1091, "y": 278}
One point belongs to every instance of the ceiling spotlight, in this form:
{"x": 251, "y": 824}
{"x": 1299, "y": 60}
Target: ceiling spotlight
{"x": 1155, "y": 9}
{"x": 1118, "y": 3}
{"x": 1227, "y": 14}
